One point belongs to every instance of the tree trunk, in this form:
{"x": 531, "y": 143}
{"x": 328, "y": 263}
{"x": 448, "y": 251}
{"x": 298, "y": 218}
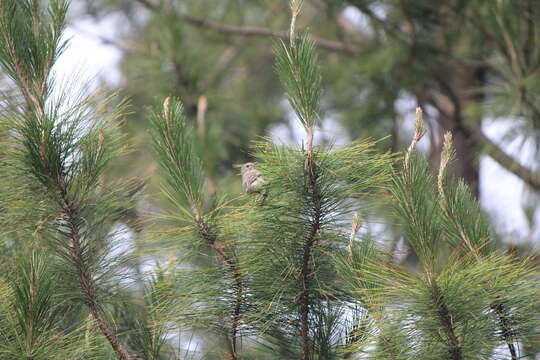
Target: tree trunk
{"x": 467, "y": 153}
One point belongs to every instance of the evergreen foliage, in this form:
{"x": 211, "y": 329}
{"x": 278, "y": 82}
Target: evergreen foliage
{"x": 455, "y": 305}
{"x": 30, "y": 320}
{"x": 210, "y": 299}
{"x": 288, "y": 272}
{"x": 60, "y": 149}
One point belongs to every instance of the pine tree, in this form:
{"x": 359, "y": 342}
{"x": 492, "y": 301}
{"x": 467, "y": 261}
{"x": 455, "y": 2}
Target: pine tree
{"x": 57, "y": 153}
{"x": 214, "y": 296}
{"x": 454, "y": 307}
{"x": 285, "y": 272}
{"x": 294, "y": 233}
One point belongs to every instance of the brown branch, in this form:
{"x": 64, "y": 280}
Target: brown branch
{"x": 309, "y": 242}
{"x": 529, "y": 176}
{"x": 413, "y": 39}
{"x": 507, "y": 332}
{"x": 85, "y": 278}
{"x": 254, "y": 31}
{"x": 389, "y": 27}
{"x": 83, "y": 272}
{"x": 147, "y": 4}
{"x": 210, "y": 238}
{"x": 530, "y": 38}
{"x": 452, "y": 342}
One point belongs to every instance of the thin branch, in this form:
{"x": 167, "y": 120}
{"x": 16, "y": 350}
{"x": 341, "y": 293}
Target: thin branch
{"x": 529, "y": 176}
{"x": 390, "y": 28}
{"x": 147, "y": 4}
{"x": 454, "y": 347}
{"x": 83, "y": 273}
{"x": 305, "y": 274}
{"x": 253, "y": 31}
{"x": 210, "y": 238}
{"x": 507, "y": 332}
{"x": 309, "y": 241}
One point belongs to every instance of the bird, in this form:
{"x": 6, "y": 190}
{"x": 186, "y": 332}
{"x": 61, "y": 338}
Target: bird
{"x": 252, "y": 180}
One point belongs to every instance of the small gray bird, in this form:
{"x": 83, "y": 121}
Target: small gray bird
{"x": 252, "y": 180}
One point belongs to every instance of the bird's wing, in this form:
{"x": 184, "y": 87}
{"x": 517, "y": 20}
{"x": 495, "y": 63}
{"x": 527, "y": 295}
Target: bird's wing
{"x": 250, "y": 179}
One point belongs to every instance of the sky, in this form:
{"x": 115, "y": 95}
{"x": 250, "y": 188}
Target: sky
{"x": 502, "y": 193}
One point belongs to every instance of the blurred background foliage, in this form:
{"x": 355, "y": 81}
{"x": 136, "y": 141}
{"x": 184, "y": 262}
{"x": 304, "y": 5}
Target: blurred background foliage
{"x": 462, "y": 61}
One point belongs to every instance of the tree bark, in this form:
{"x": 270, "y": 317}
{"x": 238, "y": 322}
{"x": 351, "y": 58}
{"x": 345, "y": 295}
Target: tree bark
{"x": 468, "y": 166}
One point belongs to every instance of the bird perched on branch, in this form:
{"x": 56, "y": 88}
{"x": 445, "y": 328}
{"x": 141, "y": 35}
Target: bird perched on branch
{"x": 252, "y": 180}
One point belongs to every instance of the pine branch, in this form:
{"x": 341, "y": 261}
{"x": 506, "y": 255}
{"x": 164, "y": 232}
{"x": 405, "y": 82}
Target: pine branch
{"x": 254, "y": 31}
{"x": 309, "y": 241}
{"x": 31, "y": 46}
{"x": 414, "y": 202}
{"x": 147, "y": 4}
{"x": 211, "y": 240}
{"x": 84, "y": 274}
{"x": 315, "y": 224}
{"x": 412, "y": 190}
{"x": 296, "y": 64}
{"x": 472, "y": 244}
{"x": 507, "y": 332}
{"x": 454, "y": 346}
{"x": 174, "y": 143}
{"x": 529, "y": 176}
{"x": 474, "y": 235}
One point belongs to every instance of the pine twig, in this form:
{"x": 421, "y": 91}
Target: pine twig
{"x": 210, "y": 238}
{"x": 454, "y": 346}
{"x": 85, "y": 279}
{"x": 296, "y": 64}
{"x": 506, "y": 328}
{"x": 498, "y": 307}
{"x": 206, "y": 233}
